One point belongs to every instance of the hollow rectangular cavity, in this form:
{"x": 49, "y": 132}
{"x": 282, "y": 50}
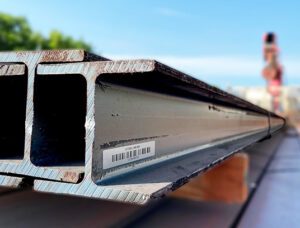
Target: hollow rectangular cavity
{"x": 58, "y": 134}
{"x": 127, "y": 117}
{"x": 13, "y": 93}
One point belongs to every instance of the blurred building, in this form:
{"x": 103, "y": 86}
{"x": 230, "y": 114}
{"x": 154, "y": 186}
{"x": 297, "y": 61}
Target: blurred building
{"x": 289, "y": 99}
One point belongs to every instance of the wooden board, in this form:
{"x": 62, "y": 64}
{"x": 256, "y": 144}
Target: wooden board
{"x": 226, "y": 182}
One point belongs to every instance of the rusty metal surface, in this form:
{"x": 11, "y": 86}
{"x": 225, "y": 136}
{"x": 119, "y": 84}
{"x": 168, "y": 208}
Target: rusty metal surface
{"x": 159, "y": 85}
{"x": 28, "y": 61}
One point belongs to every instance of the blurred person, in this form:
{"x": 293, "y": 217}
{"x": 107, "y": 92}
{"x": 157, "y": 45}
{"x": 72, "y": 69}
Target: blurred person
{"x": 272, "y": 71}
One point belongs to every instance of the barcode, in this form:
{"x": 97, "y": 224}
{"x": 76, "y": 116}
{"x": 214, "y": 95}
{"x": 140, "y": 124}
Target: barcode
{"x": 127, "y": 154}
{"x": 130, "y": 154}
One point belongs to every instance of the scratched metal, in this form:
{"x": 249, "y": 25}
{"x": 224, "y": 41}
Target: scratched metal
{"x": 12, "y": 69}
{"x": 31, "y": 59}
{"x": 154, "y": 179}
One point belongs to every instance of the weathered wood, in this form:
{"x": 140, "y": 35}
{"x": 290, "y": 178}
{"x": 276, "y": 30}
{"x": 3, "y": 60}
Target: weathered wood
{"x": 226, "y": 182}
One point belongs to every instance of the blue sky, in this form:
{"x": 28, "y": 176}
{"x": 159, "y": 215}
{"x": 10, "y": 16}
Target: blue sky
{"x": 219, "y": 42}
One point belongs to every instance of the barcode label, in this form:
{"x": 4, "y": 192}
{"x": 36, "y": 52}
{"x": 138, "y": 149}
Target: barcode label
{"x": 126, "y": 154}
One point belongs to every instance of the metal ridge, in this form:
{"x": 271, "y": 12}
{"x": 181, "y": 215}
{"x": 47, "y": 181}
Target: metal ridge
{"x": 211, "y": 92}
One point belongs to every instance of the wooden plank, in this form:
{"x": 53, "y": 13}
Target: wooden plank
{"x": 226, "y": 182}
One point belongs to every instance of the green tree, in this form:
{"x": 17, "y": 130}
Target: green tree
{"x": 57, "y": 40}
{"x": 16, "y": 34}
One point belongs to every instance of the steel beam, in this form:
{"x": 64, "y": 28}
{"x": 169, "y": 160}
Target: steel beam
{"x": 148, "y": 128}
{"x": 19, "y": 160}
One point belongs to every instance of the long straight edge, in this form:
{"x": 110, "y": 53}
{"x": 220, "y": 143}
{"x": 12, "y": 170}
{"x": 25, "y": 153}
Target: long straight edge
{"x": 101, "y": 67}
{"x": 76, "y": 52}
{"x": 47, "y": 56}
{"x": 230, "y": 99}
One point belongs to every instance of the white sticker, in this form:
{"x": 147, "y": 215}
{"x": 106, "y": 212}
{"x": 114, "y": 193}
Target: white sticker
{"x": 126, "y": 154}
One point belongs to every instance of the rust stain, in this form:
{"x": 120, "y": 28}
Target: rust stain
{"x": 70, "y": 176}
{"x": 59, "y": 55}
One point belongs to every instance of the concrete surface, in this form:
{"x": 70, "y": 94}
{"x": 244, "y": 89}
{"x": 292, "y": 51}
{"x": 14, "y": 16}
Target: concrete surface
{"x": 276, "y": 202}
{"x": 30, "y": 209}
